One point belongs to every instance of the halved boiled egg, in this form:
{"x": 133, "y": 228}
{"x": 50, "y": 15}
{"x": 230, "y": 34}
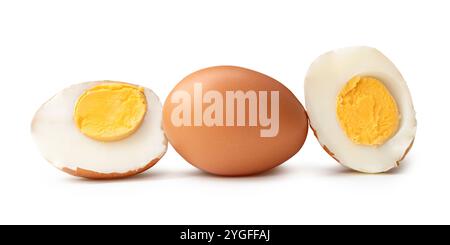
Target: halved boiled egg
{"x": 101, "y": 130}
{"x": 360, "y": 109}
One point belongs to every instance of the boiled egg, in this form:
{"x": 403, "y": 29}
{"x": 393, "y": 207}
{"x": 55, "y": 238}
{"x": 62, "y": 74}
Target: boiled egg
{"x": 233, "y": 121}
{"x": 360, "y": 109}
{"x": 101, "y": 130}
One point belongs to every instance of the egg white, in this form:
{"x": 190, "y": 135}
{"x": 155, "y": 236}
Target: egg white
{"x": 62, "y": 143}
{"x": 324, "y": 80}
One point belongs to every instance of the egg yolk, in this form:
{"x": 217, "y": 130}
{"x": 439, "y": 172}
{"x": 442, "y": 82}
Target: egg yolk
{"x": 110, "y": 111}
{"x": 367, "y": 112}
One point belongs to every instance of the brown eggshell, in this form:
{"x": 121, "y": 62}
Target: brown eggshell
{"x": 236, "y": 150}
{"x": 406, "y": 152}
{"x": 80, "y": 172}
{"x": 324, "y": 146}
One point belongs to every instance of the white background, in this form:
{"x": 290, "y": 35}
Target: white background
{"x": 48, "y": 45}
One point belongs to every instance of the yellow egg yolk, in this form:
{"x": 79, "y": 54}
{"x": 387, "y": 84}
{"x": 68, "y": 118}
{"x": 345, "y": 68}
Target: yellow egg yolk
{"x": 110, "y": 111}
{"x": 367, "y": 112}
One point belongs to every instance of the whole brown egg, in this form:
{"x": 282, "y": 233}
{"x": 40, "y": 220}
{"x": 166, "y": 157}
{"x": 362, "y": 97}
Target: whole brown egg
{"x": 232, "y": 121}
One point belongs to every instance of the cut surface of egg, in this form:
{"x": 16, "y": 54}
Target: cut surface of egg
{"x": 101, "y": 130}
{"x": 360, "y": 108}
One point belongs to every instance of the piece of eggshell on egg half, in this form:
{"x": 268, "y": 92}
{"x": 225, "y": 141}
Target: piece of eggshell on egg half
{"x": 63, "y": 145}
{"x": 198, "y": 123}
